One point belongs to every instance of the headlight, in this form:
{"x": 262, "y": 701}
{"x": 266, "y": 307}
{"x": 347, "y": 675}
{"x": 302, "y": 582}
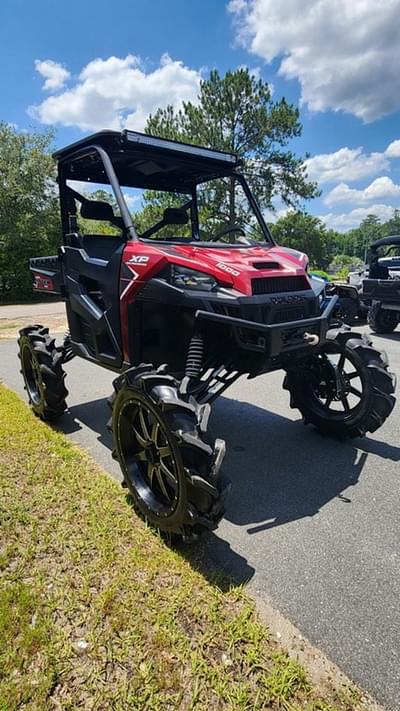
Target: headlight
{"x": 191, "y": 279}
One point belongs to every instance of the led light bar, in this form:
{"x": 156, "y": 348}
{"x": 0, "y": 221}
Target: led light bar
{"x": 134, "y": 137}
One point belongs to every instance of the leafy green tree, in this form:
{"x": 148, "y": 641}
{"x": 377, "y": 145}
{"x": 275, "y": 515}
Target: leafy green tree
{"x": 341, "y": 261}
{"x": 235, "y": 113}
{"x": 29, "y": 214}
{"x": 306, "y": 233}
{"x": 358, "y": 240}
{"x": 392, "y": 226}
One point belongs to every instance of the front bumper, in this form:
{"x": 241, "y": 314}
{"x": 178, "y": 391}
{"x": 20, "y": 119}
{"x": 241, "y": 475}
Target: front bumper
{"x": 276, "y": 338}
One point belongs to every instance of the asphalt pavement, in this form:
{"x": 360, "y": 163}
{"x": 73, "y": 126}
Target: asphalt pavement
{"x": 312, "y": 524}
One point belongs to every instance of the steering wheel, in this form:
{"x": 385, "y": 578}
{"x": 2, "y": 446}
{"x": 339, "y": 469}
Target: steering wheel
{"x": 226, "y": 231}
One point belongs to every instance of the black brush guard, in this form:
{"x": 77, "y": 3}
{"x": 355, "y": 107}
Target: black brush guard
{"x": 275, "y": 339}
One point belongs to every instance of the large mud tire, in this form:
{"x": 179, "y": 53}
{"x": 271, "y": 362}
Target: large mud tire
{"x": 364, "y": 371}
{"x": 172, "y": 470}
{"x": 382, "y": 320}
{"x": 42, "y": 372}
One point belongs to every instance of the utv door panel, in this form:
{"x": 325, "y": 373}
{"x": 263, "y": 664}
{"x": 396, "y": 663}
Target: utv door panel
{"x": 92, "y": 285}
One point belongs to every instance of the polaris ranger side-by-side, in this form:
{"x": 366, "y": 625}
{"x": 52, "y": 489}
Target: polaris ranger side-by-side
{"x": 180, "y": 315}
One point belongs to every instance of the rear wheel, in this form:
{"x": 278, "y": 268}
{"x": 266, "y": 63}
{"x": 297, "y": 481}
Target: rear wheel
{"x": 42, "y": 372}
{"x": 346, "y": 389}
{"x": 169, "y": 465}
{"x": 382, "y": 320}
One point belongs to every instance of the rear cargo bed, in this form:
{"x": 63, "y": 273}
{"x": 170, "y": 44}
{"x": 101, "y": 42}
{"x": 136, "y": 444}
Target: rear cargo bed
{"x": 47, "y": 275}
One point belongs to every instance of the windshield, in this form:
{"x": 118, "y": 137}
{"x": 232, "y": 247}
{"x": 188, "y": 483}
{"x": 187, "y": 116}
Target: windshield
{"x": 217, "y": 211}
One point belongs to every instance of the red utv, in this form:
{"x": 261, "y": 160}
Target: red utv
{"x": 179, "y": 313}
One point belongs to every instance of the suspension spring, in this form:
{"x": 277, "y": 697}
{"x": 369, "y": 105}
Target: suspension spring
{"x": 194, "y": 359}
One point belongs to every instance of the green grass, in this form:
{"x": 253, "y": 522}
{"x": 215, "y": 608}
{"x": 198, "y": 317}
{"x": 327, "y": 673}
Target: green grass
{"x": 97, "y": 613}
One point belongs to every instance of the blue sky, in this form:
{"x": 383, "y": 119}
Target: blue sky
{"x": 96, "y": 64}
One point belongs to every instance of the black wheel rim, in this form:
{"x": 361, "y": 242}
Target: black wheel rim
{"x": 149, "y": 456}
{"x": 32, "y": 375}
{"x": 338, "y": 384}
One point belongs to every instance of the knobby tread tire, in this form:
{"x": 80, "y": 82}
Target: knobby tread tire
{"x": 381, "y": 320}
{"x": 203, "y": 488}
{"x": 52, "y": 392}
{"x": 378, "y": 398}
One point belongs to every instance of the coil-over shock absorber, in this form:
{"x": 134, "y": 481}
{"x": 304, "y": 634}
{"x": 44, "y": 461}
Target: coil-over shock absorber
{"x": 195, "y": 356}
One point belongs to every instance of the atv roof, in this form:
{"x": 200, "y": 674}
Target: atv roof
{"x": 391, "y": 240}
{"x": 144, "y": 161}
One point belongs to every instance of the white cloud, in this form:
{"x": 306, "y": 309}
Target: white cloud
{"x": 352, "y": 219}
{"x": 118, "y": 93}
{"x": 280, "y": 210}
{"x": 55, "y": 74}
{"x": 133, "y": 200}
{"x": 379, "y": 189}
{"x": 344, "y": 54}
{"x": 393, "y": 149}
{"x": 345, "y": 164}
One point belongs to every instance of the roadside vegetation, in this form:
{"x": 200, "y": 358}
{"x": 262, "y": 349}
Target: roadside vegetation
{"x": 96, "y": 612}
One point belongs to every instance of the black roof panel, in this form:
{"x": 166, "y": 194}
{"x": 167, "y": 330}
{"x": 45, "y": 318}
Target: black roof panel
{"x": 392, "y": 239}
{"x": 145, "y": 161}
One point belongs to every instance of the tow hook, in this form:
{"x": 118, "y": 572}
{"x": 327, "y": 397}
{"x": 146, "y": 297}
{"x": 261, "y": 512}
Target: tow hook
{"x": 311, "y": 338}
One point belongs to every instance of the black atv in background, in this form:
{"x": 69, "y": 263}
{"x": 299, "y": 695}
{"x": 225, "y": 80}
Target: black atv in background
{"x": 350, "y": 307}
{"x": 381, "y": 290}
{"x": 182, "y": 310}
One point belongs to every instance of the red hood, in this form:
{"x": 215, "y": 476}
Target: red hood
{"x": 233, "y": 267}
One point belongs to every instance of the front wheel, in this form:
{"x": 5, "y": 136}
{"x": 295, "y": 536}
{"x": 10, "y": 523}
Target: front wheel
{"x": 170, "y": 467}
{"x": 345, "y": 389}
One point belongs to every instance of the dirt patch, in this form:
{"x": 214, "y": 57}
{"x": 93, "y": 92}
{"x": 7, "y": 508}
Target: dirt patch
{"x": 9, "y": 328}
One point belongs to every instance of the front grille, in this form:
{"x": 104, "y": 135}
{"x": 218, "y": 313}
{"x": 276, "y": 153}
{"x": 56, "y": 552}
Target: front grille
{"x": 279, "y": 285}
{"x": 295, "y": 314}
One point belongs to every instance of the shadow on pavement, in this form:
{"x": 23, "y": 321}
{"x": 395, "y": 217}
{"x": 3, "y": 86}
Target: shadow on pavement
{"x": 280, "y": 470}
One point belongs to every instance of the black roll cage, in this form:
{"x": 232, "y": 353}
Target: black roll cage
{"x": 125, "y": 214}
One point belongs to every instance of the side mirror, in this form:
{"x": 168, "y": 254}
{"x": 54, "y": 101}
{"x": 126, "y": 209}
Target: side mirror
{"x": 97, "y": 210}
